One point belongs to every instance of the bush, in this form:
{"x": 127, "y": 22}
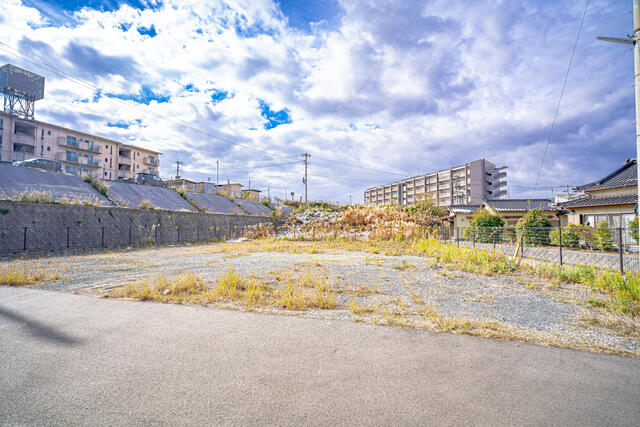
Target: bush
{"x": 536, "y": 228}
{"x": 633, "y": 226}
{"x": 484, "y": 227}
{"x": 603, "y": 240}
{"x": 570, "y": 236}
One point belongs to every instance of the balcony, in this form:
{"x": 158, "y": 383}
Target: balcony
{"x": 150, "y": 161}
{"x": 124, "y": 161}
{"x": 78, "y": 160}
{"x": 23, "y": 139}
{"x": 79, "y": 145}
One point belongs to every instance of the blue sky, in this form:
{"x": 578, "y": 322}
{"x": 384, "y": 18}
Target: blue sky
{"x": 397, "y": 88}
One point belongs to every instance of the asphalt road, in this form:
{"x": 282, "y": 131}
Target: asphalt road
{"x": 70, "y": 359}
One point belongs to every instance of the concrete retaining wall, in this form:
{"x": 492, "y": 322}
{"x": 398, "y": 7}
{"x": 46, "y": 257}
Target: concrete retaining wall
{"x": 32, "y": 227}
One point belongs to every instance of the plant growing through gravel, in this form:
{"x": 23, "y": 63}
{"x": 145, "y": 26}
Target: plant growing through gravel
{"x": 145, "y": 204}
{"x": 26, "y": 275}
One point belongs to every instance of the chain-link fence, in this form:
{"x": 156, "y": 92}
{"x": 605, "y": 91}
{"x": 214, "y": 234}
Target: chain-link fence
{"x": 615, "y": 248}
{"x": 22, "y": 240}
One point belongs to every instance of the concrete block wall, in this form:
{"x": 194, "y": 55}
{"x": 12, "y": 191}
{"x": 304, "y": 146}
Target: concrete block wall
{"x": 38, "y": 228}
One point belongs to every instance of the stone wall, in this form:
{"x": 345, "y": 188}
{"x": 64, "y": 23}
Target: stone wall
{"x": 38, "y": 228}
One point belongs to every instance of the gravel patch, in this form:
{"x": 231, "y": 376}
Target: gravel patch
{"x": 370, "y": 280}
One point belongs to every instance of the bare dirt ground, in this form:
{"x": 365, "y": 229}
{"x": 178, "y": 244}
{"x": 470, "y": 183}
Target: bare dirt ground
{"x": 406, "y": 291}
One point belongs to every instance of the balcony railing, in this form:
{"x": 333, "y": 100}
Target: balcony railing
{"x": 23, "y": 139}
{"x": 150, "y": 161}
{"x": 93, "y": 148}
{"x": 83, "y": 161}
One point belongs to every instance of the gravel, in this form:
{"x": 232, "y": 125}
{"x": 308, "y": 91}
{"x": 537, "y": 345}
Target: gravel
{"x": 538, "y": 307}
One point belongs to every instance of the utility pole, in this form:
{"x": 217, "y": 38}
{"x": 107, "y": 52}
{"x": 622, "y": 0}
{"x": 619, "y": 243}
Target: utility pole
{"x": 305, "y": 180}
{"x": 217, "y": 173}
{"x": 178, "y": 163}
{"x": 633, "y": 40}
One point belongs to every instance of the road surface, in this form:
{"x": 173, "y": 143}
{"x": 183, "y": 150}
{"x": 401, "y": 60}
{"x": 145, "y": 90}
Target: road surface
{"x": 71, "y": 359}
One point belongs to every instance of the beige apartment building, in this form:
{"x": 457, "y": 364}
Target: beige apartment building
{"x": 80, "y": 153}
{"x": 473, "y": 182}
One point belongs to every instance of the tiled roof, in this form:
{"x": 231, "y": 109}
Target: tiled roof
{"x": 519, "y": 204}
{"x": 624, "y": 176}
{"x": 463, "y": 208}
{"x": 585, "y": 202}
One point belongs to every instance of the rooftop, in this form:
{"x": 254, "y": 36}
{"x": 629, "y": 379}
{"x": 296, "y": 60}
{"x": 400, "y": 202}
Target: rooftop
{"x": 624, "y": 176}
{"x": 520, "y": 204}
{"x": 621, "y": 199}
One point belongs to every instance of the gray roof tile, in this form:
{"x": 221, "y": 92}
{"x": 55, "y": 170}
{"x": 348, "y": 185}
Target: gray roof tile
{"x": 624, "y": 176}
{"x": 520, "y": 204}
{"x": 585, "y": 202}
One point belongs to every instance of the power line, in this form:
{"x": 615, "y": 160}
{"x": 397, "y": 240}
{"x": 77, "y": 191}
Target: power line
{"x": 555, "y": 115}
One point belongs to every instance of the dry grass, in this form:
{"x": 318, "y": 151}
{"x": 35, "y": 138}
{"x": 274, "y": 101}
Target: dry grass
{"x": 26, "y": 275}
{"x": 619, "y": 324}
{"x": 294, "y": 293}
{"x": 146, "y": 204}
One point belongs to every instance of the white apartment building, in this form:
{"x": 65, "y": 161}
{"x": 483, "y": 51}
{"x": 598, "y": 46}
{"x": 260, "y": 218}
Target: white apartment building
{"x": 80, "y": 153}
{"x": 473, "y": 182}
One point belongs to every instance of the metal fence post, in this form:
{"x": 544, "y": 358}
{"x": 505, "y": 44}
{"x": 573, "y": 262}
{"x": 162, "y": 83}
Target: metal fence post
{"x": 68, "y": 236}
{"x": 178, "y": 228}
{"x": 157, "y": 233}
{"x": 102, "y": 238}
{"x": 24, "y": 243}
{"x": 458, "y": 236}
{"x": 197, "y": 232}
{"x": 620, "y": 251}
{"x": 129, "y": 234}
{"x": 560, "y": 242}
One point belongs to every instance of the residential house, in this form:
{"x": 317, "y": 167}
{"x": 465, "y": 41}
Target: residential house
{"x": 511, "y": 210}
{"x": 612, "y": 199}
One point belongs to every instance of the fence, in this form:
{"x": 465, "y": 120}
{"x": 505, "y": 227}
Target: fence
{"x": 615, "y": 248}
{"x": 20, "y": 240}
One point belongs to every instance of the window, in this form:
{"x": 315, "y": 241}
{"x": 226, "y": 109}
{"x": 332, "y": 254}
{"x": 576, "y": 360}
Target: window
{"x": 72, "y": 141}
{"x": 42, "y": 133}
{"x": 72, "y": 156}
{"x": 48, "y": 132}
{"x": 42, "y": 150}
{"x": 1, "y": 124}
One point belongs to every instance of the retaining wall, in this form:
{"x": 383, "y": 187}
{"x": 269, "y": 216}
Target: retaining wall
{"x": 33, "y": 227}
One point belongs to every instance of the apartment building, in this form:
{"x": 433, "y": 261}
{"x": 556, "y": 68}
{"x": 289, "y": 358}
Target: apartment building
{"x": 471, "y": 183}
{"x": 80, "y": 153}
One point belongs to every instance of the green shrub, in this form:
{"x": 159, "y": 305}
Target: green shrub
{"x": 536, "y": 228}
{"x": 602, "y": 233}
{"x": 570, "y": 236}
{"x": 485, "y": 227}
{"x": 633, "y": 226}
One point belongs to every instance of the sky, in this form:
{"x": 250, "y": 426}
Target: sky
{"x": 374, "y": 90}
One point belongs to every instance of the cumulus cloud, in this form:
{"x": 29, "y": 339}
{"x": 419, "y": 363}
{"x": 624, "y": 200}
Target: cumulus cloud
{"x": 396, "y": 88}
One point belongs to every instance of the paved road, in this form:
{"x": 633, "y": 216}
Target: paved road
{"x": 70, "y": 359}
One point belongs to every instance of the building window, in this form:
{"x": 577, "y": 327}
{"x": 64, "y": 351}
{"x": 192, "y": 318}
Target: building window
{"x": 48, "y": 148}
{"x": 72, "y": 156}
{"x": 1, "y": 124}
{"x": 72, "y": 141}
{"x": 42, "y": 133}
{"x": 48, "y": 133}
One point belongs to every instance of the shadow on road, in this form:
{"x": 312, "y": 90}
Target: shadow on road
{"x": 38, "y": 329}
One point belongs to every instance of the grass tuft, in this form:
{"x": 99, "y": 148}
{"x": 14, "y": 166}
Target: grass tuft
{"x": 25, "y": 275}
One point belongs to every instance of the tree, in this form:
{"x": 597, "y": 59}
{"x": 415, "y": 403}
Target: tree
{"x": 485, "y": 227}
{"x": 536, "y": 228}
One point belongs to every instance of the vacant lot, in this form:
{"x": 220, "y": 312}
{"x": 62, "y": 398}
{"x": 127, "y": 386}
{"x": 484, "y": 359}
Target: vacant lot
{"x": 340, "y": 282}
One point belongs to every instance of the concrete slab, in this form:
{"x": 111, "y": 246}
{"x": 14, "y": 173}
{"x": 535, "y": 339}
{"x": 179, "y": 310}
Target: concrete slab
{"x": 15, "y": 180}
{"x": 253, "y": 208}
{"x": 131, "y": 195}
{"x": 215, "y": 204}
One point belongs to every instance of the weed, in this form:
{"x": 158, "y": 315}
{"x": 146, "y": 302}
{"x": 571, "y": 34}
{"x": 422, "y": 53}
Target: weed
{"x": 97, "y": 184}
{"x": 25, "y": 275}
{"x": 146, "y": 204}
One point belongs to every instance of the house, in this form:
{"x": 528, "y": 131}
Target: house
{"x": 251, "y": 194}
{"x": 182, "y": 184}
{"x": 612, "y": 199}
{"x": 511, "y": 210}
{"x": 233, "y": 190}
